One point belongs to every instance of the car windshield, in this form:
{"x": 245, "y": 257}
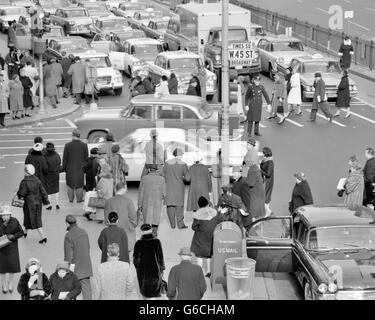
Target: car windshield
{"x": 74, "y": 44}
{"x": 146, "y": 49}
{"x": 321, "y": 66}
{"x": 55, "y": 32}
{"x": 100, "y": 62}
{"x": 287, "y": 46}
{"x": 184, "y": 63}
{"x": 233, "y": 35}
{"x": 162, "y": 24}
{"x": 76, "y": 13}
{"x": 114, "y": 24}
{"x": 133, "y": 6}
{"x": 342, "y": 237}
{"x": 14, "y": 11}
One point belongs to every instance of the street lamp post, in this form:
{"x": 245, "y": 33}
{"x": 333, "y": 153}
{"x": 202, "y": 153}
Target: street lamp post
{"x": 225, "y": 94}
{"x": 41, "y": 86}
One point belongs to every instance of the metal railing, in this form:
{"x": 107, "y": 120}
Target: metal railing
{"x": 314, "y": 36}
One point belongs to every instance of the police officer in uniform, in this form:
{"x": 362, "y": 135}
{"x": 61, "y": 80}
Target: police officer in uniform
{"x": 254, "y": 97}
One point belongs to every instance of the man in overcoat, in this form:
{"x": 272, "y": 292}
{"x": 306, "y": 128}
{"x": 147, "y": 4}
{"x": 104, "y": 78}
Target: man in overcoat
{"x": 78, "y": 73}
{"x": 254, "y": 97}
{"x": 369, "y": 176}
{"x": 74, "y": 159}
{"x": 77, "y": 253}
{"x": 176, "y": 172}
{"x": 320, "y": 99}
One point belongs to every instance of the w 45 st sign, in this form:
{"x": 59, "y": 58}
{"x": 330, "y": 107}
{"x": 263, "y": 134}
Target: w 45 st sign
{"x": 241, "y": 54}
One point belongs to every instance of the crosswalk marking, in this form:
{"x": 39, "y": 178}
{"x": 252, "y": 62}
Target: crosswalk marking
{"x": 323, "y": 117}
{"x": 362, "y": 117}
{"x": 295, "y": 123}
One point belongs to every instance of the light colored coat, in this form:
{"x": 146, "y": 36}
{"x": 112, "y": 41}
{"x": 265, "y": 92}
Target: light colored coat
{"x": 200, "y": 185}
{"x": 78, "y": 73}
{"x": 354, "y": 186}
{"x": 294, "y": 96}
{"x": 162, "y": 88}
{"x": 57, "y": 73}
{"x": 105, "y": 191}
{"x": 4, "y": 94}
{"x": 151, "y": 192}
{"x": 127, "y": 218}
{"x": 114, "y": 281}
{"x": 175, "y": 172}
{"x": 16, "y": 95}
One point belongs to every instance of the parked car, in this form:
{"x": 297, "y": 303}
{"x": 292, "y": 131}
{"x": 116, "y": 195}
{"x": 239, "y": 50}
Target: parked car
{"x": 277, "y": 52}
{"x": 10, "y": 13}
{"x": 331, "y": 74}
{"x": 183, "y": 64}
{"x": 147, "y": 111}
{"x": 132, "y": 148}
{"x": 156, "y": 28}
{"x": 71, "y": 45}
{"x": 127, "y": 9}
{"x": 74, "y": 20}
{"x": 330, "y": 249}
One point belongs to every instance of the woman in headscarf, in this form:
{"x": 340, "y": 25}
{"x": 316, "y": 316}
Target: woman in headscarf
{"x": 52, "y": 176}
{"x": 194, "y": 88}
{"x": 173, "y": 84}
{"x": 34, "y": 194}
{"x": 16, "y": 96}
{"x": 353, "y": 188}
{"x": 104, "y": 189}
{"x": 39, "y": 162}
{"x": 34, "y": 284}
{"x": 9, "y": 255}
{"x": 64, "y": 283}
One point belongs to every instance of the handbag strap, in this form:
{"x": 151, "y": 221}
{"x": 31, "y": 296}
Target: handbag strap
{"x": 153, "y": 151}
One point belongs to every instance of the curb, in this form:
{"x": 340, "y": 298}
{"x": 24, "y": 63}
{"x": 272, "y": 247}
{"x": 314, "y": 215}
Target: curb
{"x": 362, "y": 75}
{"x": 46, "y": 118}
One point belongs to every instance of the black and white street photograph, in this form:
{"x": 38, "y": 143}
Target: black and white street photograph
{"x": 184, "y": 155}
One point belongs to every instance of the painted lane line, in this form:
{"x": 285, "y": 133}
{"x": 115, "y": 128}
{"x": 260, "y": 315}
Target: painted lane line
{"x": 320, "y": 9}
{"x": 362, "y": 117}
{"x": 365, "y": 102}
{"x": 19, "y": 162}
{"x": 359, "y": 25}
{"x": 370, "y": 9}
{"x": 33, "y": 134}
{"x": 295, "y": 123}
{"x": 70, "y": 123}
{"x": 2, "y": 167}
{"x": 27, "y": 147}
{"x": 57, "y": 139}
{"x": 323, "y": 117}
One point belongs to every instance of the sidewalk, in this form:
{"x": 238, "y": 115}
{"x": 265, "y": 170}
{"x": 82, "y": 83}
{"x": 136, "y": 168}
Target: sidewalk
{"x": 65, "y": 108}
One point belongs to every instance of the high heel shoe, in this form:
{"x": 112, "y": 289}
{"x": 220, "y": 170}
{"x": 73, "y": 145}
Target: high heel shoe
{"x": 49, "y": 208}
{"x": 43, "y": 241}
{"x": 57, "y": 207}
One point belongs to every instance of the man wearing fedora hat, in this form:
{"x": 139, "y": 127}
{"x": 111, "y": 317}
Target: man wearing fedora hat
{"x": 320, "y": 99}
{"x": 186, "y": 280}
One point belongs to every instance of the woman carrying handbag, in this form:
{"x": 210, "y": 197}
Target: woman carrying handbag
{"x": 104, "y": 189}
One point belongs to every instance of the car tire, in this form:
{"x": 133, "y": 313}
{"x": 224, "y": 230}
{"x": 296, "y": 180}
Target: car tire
{"x": 118, "y": 92}
{"x": 97, "y": 137}
{"x": 307, "y": 294}
{"x": 270, "y": 73}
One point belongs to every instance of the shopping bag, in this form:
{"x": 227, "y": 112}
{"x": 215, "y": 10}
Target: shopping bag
{"x": 97, "y": 202}
{"x": 88, "y": 195}
{"x": 16, "y": 202}
{"x": 4, "y": 241}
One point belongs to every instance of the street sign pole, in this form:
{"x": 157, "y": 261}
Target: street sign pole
{"x": 41, "y": 86}
{"x": 225, "y": 95}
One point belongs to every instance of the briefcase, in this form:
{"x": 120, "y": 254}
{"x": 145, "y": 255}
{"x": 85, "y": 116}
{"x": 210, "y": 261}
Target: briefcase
{"x": 97, "y": 202}
{"x": 16, "y": 202}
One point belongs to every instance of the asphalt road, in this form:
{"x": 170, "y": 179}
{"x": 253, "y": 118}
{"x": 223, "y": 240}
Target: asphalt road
{"x": 318, "y": 12}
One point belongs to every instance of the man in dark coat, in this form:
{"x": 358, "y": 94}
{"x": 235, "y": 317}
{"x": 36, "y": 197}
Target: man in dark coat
{"x": 346, "y": 52}
{"x": 149, "y": 263}
{"x": 254, "y": 97}
{"x": 114, "y": 234}
{"x": 343, "y": 95}
{"x": 91, "y": 169}
{"x": 77, "y": 253}
{"x": 301, "y": 195}
{"x": 74, "y": 159}
{"x": 66, "y": 62}
{"x": 64, "y": 281}
{"x": 52, "y": 177}
{"x": 186, "y": 280}
{"x": 37, "y": 159}
{"x": 241, "y": 189}
{"x": 257, "y": 193}
{"x": 173, "y": 84}
{"x": 369, "y": 176}
{"x": 320, "y": 99}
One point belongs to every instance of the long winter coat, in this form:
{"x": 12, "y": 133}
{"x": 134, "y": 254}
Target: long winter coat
{"x": 33, "y": 74}
{"x": 91, "y": 170}
{"x": 34, "y": 194}
{"x": 77, "y": 251}
{"x": 69, "y": 283}
{"x": 175, "y": 172}
{"x": 74, "y": 158}
{"x": 173, "y": 86}
{"x": 50, "y": 88}
{"x": 15, "y": 95}
{"x": 279, "y": 91}
{"x": 343, "y": 93}
{"x": 65, "y": 64}
{"x": 320, "y": 91}
{"x": 294, "y": 96}
{"x": 149, "y": 263}
{"x": 24, "y": 290}
{"x": 354, "y": 186}
{"x": 301, "y": 196}
{"x": 257, "y": 193}
{"x": 127, "y": 217}
{"x": 151, "y": 193}
{"x": 114, "y": 234}
{"x": 4, "y": 94}
{"x": 78, "y": 73}
{"x": 254, "y": 97}
{"x": 52, "y": 176}
{"x": 267, "y": 170}
{"x": 345, "y": 52}
{"x": 241, "y": 189}
{"x": 200, "y": 185}
{"x": 9, "y": 255}
{"x": 27, "y": 94}
{"x": 39, "y": 162}
{"x": 57, "y": 73}
{"x": 119, "y": 168}
{"x": 104, "y": 188}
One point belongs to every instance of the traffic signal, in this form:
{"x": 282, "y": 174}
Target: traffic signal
{"x": 233, "y": 86}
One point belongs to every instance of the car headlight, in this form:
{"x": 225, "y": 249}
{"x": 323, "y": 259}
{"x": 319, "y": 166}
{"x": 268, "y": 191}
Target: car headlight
{"x": 72, "y": 23}
{"x": 332, "y": 287}
{"x": 280, "y": 60}
{"x": 323, "y": 288}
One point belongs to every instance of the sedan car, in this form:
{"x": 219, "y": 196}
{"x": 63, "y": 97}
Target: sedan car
{"x": 127, "y": 9}
{"x": 278, "y": 51}
{"x": 111, "y": 25}
{"x": 147, "y": 111}
{"x": 96, "y": 9}
{"x": 194, "y": 147}
{"x": 156, "y": 28}
{"x": 330, "y": 249}
{"x": 331, "y": 74}
{"x": 10, "y": 13}
{"x": 71, "y": 45}
{"x": 144, "y": 17}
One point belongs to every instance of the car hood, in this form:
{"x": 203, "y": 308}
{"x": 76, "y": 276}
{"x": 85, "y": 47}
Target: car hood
{"x": 81, "y": 20}
{"x": 114, "y": 113}
{"x": 146, "y": 57}
{"x": 288, "y": 55}
{"x": 330, "y": 79}
{"x": 10, "y": 17}
{"x": 354, "y": 270}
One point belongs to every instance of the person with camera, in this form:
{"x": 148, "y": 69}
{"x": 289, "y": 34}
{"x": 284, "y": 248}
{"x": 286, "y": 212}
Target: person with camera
{"x": 34, "y": 284}
{"x": 10, "y": 232}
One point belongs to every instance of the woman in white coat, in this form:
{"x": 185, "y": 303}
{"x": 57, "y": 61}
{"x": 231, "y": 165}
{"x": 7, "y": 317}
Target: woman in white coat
{"x": 294, "y": 96}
